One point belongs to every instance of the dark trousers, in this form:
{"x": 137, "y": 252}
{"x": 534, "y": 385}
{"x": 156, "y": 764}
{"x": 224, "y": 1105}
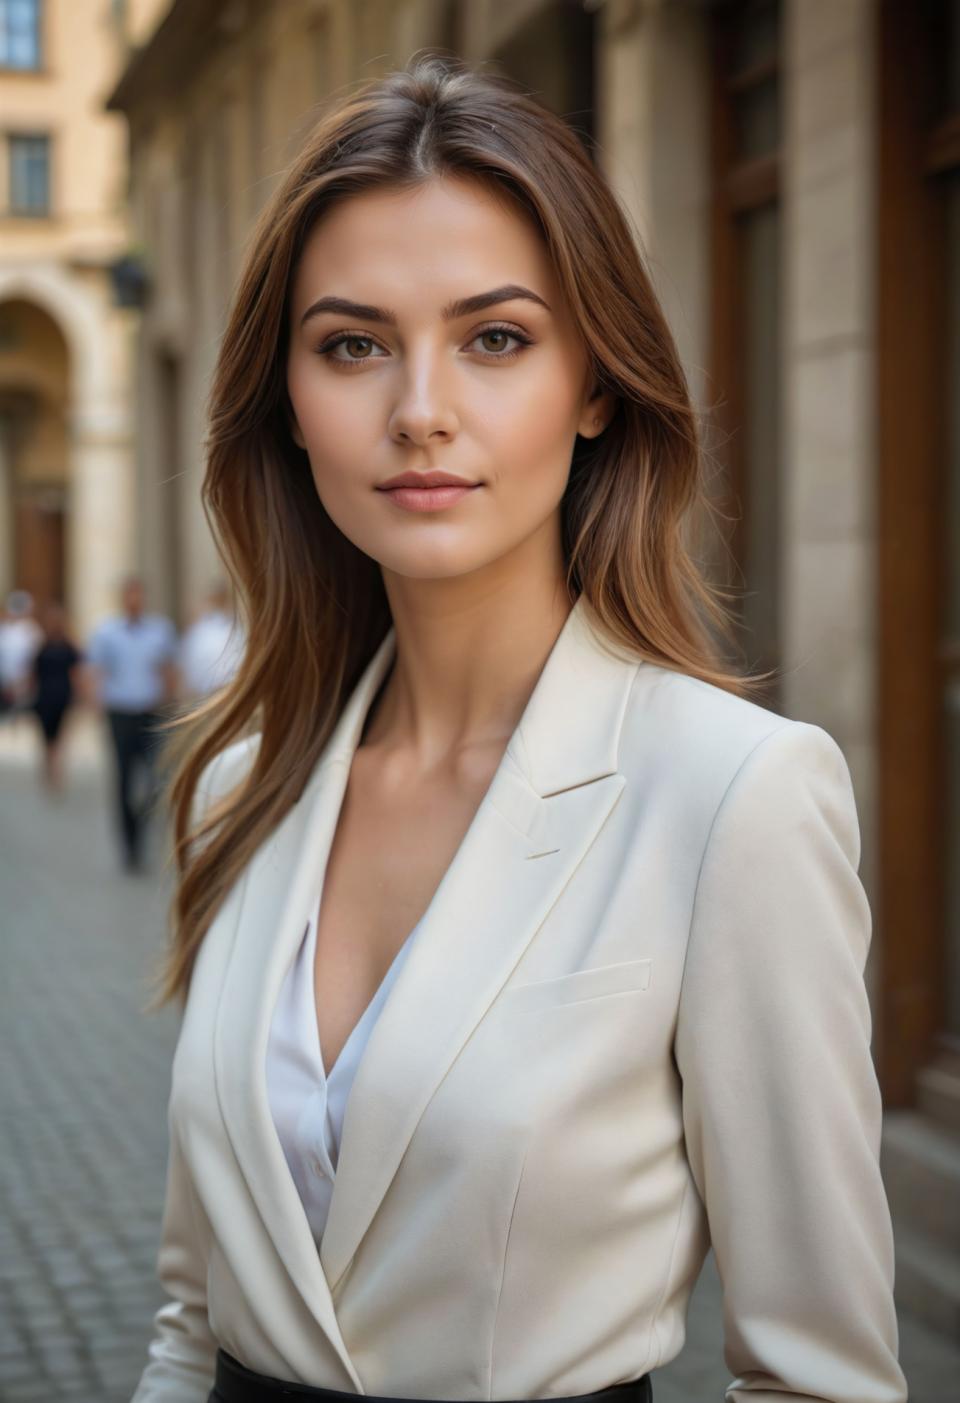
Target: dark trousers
{"x": 237, "y": 1384}
{"x": 135, "y": 743}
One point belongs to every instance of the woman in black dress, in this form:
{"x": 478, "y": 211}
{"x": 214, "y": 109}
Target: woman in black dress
{"x": 53, "y": 689}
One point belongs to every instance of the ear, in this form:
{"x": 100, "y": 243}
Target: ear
{"x": 597, "y": 411}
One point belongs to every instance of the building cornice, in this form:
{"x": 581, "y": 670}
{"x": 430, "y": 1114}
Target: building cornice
{"x": 180, "y": 46}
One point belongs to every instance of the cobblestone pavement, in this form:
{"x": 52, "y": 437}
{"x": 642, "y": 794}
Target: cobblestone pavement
{"x": 83, "y": 1086}
{"x": 84, "y": 1075}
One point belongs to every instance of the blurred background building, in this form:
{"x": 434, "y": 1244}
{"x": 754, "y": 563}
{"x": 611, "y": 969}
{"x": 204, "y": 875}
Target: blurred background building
{"x": 793, "y": 170}
{"x": 66, "y": 347}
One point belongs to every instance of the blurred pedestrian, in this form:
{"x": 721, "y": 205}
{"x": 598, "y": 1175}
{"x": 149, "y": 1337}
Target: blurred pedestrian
{"x": 20, "y": 637}
{"x": 52, "y": 677}
{"x": 132, "y": 673}
{"x": 211, "y": 648}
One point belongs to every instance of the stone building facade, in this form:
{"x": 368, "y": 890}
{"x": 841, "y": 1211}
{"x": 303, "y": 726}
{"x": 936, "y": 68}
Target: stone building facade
{"x": 792, "y": 168}
{"x": 66, "y": 346}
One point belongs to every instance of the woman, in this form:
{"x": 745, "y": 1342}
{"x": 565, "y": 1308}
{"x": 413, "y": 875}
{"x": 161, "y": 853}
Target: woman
{"x": 483, "y": 806}
{"x": 52, "y": 680}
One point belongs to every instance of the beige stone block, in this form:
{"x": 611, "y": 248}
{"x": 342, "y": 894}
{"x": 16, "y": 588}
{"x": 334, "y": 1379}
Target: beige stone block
{"x": 814, "y": 27}
{"x": 829, "y": 117}
{"x": 829, "y": 262}
{"x": 99, "y": 545}
{"x": 828, "y": 492}
{"x": 860, "y": 754}
{"x": 828, "y": 633}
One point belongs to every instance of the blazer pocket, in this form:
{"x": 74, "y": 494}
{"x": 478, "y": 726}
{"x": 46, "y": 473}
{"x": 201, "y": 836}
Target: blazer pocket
{"x": 602, "y": 981}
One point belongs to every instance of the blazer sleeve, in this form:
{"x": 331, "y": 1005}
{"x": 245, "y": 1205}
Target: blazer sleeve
{"x": 182, "y": 1352}
{"x": 781, "y": 1105}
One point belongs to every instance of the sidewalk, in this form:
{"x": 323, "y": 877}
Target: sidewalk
{"x": 84, "y": 1076}
{"x": 20, "y": 745}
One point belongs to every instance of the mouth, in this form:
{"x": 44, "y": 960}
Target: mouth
{"x": 428, "y": 499}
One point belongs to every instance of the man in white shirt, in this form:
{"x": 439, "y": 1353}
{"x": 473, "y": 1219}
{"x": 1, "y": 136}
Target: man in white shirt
{"x": 132, "y": 672}
{"x": 20, "y": 637}
{"x": 211, "y": 648}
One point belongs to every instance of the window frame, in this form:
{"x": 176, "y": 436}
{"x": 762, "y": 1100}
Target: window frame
{"x": 12, "y": 211}
{"x": 16, "y": 69}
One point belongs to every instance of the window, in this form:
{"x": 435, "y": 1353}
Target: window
{"x": 29, "y": 166}
{"x": 20, "y": 34}
{"x": 120, "y": 19}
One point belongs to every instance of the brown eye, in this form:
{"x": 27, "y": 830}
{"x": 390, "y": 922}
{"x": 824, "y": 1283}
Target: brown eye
{"x": 502, "y": 352}
{"x": 354, "y": 341}
{"x": 496, "y": 331}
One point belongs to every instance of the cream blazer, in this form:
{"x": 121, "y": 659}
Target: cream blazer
{"x": 633, "y": 1023}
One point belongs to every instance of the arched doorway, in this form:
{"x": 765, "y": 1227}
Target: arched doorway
{"x": 34, "y": 451}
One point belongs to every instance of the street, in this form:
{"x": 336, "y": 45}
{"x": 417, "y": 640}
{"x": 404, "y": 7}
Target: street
{"x": 84, "y": 1084}
{"x": 84, "y": 1076}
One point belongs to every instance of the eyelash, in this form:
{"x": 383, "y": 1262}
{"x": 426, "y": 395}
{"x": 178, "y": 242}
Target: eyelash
{"x": 338, "y": 340}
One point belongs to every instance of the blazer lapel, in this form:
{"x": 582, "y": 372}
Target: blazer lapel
{"x": 554, "y": 787}
{"x": 282, "y": 883}
{"x": 552, "y": 791}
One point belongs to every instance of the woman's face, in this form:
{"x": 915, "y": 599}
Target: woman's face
{"x": 494, "y": 394}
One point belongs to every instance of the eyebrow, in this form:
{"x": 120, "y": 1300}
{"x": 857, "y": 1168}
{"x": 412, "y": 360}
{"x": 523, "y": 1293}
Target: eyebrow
{"x": 461, "y": 307}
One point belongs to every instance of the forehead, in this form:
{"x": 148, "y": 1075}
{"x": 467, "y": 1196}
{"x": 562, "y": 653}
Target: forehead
{"x": 448, "y": 237}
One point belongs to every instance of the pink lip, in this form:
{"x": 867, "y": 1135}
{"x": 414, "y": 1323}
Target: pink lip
{"x": 426, "y": 499}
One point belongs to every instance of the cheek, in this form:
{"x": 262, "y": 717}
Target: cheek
{"x": 335, "y": 424}
{"x": 340, "y": 439}
{"x": 531, "y": 445}
{"x": 537, "y": 421}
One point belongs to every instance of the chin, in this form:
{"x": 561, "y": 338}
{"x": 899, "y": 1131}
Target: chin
{"x": 424, "y": 570}
{"x": 432, "y": 564}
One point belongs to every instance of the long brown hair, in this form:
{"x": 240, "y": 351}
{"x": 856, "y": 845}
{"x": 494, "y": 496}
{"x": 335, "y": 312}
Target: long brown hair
{"x": 313, "y": 605}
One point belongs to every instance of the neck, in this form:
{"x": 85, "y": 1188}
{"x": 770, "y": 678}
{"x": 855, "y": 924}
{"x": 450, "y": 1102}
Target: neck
{"x": 467, "y": 658}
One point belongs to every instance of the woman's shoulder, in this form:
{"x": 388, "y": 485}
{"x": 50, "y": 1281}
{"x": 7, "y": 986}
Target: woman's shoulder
{"x": 698, "y": 734}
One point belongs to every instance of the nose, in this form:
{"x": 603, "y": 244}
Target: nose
{"x": 424, "y": 407}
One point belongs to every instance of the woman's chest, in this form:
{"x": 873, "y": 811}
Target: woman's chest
{"x": 541, "y": 983}
{"x": 390, "y": 851}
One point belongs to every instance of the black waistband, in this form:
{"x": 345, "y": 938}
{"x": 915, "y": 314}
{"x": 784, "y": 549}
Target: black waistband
{"x": 235, "y": 1383}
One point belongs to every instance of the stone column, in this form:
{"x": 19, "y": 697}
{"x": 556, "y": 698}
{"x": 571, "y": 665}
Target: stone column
{"x": 99, "y": 534}
{"x": 653, "y": 128}
{"x": 829, "y": 621}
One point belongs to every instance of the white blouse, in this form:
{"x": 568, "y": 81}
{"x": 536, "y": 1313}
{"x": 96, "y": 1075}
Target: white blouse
{"x": 307, "y": 1105}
